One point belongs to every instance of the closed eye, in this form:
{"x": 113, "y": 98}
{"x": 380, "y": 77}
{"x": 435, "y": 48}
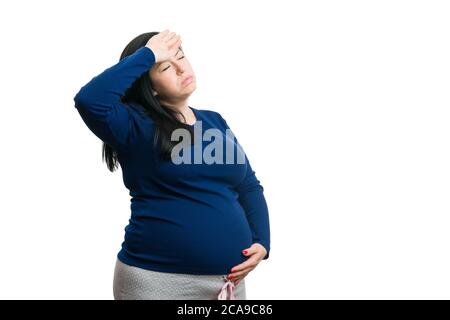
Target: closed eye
{"x": 169, "y": 66}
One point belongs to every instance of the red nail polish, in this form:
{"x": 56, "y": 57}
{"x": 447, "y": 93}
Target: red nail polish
{"x": 245, "y": 251}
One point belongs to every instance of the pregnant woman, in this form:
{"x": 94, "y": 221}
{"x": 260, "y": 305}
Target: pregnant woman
{"x": 199, "y": 220}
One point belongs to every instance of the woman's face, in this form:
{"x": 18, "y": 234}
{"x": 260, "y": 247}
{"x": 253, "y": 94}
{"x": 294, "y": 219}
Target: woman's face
{"x": 167, "y": 77}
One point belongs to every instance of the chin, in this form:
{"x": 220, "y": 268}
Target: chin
{"x": 190, "y": 87}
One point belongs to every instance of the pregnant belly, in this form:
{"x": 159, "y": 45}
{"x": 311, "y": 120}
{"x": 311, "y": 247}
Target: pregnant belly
{"x": 196, "y": 237}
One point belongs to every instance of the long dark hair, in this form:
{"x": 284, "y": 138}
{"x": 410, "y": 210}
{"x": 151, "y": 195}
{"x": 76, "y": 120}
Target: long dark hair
{"x": 140, "y": 92}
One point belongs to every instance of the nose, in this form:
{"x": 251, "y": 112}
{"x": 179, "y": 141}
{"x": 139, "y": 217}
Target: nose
{"x": 179, "y": 65}
{"x": 180, "y": 71}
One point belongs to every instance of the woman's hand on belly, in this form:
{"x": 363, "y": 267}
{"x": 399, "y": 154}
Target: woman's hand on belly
{"x": 256, "y": 253}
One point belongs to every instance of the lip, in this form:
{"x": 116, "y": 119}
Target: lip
{"x": 187, "y": 80}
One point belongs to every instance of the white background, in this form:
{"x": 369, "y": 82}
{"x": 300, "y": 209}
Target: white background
{"x": 341, "y": 106}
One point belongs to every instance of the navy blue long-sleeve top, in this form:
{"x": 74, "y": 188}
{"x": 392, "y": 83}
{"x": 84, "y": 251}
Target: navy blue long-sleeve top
{"x": 185, "y": 218}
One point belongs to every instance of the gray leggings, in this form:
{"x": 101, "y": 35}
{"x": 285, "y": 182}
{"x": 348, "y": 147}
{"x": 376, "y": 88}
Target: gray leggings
{"x": 133, "y": 283}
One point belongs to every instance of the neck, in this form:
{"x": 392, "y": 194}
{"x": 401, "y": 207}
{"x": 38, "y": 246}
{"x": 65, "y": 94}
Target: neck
{"x": 183, "y": 108}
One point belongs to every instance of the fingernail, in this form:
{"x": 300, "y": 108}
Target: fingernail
{"x": 245, "y": 251}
